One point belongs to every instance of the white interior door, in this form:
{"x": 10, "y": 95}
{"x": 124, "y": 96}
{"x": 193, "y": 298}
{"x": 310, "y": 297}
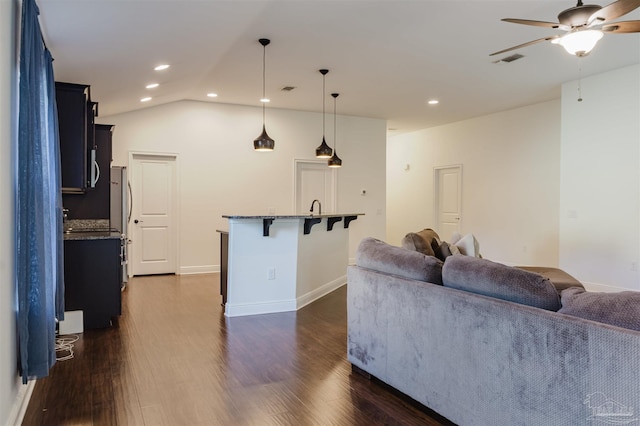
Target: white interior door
{"x": 448, "y": 197}
{"x": 314, "y": 181}
{"x": 153, "y": 218}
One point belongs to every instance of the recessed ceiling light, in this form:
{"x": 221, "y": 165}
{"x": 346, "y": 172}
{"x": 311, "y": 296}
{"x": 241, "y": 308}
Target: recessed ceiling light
{"x": 433, "y": 102}
{"x": 265, "y": 100}
{"x": 152, "y": 85}
{"x": 147, "y": 99}
{"x": 161, "y": 67}
{"x": 212, "y": 95}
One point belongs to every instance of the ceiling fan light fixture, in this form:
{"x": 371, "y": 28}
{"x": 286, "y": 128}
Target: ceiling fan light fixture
{"x": 579, "y": 43}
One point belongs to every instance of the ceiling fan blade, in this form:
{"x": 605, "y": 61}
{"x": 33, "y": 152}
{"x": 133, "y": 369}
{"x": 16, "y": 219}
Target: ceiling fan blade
{"x": 529, "y": 43}
{"x": 613, "y": 11}
{"x": 622, "y": 27}
{"x": 537, "y": 23}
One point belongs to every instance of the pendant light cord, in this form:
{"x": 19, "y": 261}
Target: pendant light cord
{"x": 335, "y": 141}
{"x": 323, "y": 82}
{"x": 264, "y": 66}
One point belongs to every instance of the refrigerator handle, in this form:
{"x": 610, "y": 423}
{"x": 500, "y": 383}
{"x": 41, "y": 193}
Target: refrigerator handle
{"x": 96, "y": 174}
{"x": 95, "y": 170}
{"x": 130, "y": 201}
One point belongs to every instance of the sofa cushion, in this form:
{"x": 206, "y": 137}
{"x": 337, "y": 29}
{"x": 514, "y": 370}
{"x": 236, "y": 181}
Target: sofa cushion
{"x": 559, "y": 278}
{"x": 422, "y": 241}
{"x": 621, "y": 309}
{"x": 492, "y": 279}
{"x": 380, "y": 256}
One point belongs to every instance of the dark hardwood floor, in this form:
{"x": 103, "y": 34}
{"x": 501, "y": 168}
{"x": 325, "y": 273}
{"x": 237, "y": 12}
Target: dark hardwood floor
{"x": 174, "y": 359}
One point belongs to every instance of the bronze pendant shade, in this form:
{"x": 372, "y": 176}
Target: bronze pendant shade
{"x": 334, "y": 161}
{"x": 263, "y": 142}
{"x": 324, "y": 150}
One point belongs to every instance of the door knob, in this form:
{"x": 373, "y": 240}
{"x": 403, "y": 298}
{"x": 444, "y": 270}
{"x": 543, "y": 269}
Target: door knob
{"x": 136, "y": 221}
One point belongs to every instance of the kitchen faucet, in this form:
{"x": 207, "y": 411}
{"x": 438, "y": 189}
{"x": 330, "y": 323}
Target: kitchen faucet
{"x": 319, "y": 206}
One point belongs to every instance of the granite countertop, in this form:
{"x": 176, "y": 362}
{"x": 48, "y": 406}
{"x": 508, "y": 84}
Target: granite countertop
{"x": 89, "y": 229}
{"x": 92, "y": 235}
{"x": 292, "y": 216}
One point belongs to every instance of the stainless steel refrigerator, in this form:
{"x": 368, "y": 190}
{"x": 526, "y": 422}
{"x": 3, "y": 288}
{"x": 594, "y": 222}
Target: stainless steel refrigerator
{"x": 120, "y": 211}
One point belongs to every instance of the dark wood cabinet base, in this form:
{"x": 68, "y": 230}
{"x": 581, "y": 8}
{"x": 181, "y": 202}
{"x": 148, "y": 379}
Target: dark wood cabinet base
{"x": 92, "y": 280}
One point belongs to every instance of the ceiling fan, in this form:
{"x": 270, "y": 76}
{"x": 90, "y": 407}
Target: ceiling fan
{"x": 584, "y": 25}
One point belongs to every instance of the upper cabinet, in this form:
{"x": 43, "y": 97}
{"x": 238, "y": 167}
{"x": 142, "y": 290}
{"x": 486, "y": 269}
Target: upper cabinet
{"x": 76, "y": 113}
{"x": 94, "y": 204}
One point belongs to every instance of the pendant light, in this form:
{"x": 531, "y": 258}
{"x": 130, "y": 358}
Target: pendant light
{"x": 334, "y": 161}
{"x": 324, "y": 150}
{"x": 264, "y": 142}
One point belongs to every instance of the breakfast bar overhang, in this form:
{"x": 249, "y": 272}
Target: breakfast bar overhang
{"x": 279, "y": 263}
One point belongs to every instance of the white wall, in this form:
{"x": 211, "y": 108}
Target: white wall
{"x": 220, "y": 173}
{"x": 600, "y": 180}
{"x": 8, "y": 372}
{"x": 510, "y": 192}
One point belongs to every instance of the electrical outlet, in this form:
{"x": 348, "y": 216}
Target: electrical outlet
{"x": 271, "y": 273}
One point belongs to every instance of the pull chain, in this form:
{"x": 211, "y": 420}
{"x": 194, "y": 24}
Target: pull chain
{"x": 580, "y": 79}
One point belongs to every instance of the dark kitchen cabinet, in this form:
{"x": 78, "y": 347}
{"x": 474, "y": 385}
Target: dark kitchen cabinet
{"x": 76, "y": 115}
{"x": 95, "y": 204}
{"x": 92, "y": 279}
{"x": 224, "y": 264}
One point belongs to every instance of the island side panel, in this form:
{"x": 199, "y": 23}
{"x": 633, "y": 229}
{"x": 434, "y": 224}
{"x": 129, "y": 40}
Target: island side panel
{"x": 323, "y": 257}
{"x": 251, "y": 288}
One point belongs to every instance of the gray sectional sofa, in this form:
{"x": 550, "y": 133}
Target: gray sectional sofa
{"x": 484, "y": 354}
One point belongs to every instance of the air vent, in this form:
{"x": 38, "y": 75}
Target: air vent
{"x": 508, "y": 59}
{"x": 287, "y": 88}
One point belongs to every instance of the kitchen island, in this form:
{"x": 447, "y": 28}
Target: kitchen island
{"x": 278, "y": 263}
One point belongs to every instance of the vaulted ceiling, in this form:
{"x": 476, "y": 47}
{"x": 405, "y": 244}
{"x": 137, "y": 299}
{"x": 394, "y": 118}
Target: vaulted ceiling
{"x": 386, "y": 58}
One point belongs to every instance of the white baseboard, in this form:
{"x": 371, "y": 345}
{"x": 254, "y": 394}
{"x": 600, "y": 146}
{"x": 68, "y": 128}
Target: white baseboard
{"x": 603, "y": 287}
{"x": 238, "y": 310}
{"x": 203, "y": 269}
{"x": 323, "y": 290}
{"x": 21, "y": 402}
{"x": 271, "y": 307}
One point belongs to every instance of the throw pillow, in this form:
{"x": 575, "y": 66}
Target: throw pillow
{"x": 621, "y": 309}
{"x": 421, "y": 241}
{"x": 380, "y": 256}
{"x": 469, "y": 246}
{"x": 454, "y": 249}
{"x": 492, "y": 279}
{"x": 429, "y": 235}
{"x": 442, "y": 251}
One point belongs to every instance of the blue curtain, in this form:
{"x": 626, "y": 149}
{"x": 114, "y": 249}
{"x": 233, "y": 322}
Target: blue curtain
{"x": 40, "y": 266}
